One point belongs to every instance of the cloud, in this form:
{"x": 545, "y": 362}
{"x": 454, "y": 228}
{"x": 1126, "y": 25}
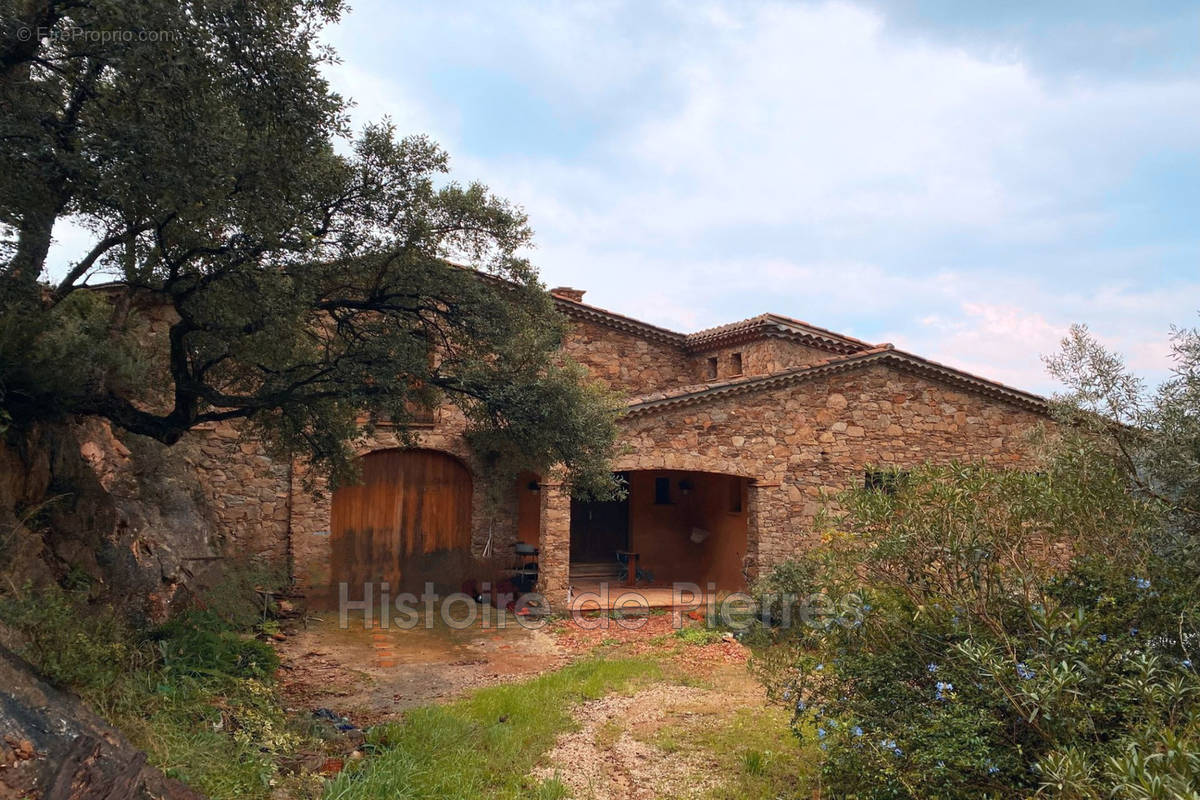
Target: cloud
{"x": 865, "y": 168}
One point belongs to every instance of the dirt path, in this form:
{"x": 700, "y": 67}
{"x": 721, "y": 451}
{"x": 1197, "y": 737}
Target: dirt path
{"x": 703, "y": 730}
{"x": 603, "y": 761}
{"x": 370, "y": 675}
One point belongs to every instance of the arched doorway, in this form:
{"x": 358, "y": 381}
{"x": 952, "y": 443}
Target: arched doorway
{"x": 407, "y": 521}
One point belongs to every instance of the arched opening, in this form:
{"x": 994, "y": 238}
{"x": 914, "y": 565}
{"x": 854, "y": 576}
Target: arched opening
{"x": 406, "y": 521}
{"x": 674, "y": 525}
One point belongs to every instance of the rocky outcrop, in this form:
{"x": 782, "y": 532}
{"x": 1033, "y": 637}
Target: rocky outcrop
{"x": 122, "y": 514}
{"x": 52, "y": 747}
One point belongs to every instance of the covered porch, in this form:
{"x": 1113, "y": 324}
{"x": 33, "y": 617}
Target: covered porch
{"x": 675, "y": 539}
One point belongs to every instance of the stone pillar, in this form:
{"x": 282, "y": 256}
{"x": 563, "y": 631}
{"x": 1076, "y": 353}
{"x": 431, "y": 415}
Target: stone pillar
{"x": 554, "y": 546}
{"x": 310, "y": 511}
{"x": 753, "y": 561}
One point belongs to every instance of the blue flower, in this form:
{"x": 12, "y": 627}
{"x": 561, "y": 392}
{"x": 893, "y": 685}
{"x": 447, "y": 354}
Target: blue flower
{"x": 993, "y": 769}
{"x": 944, "y": 688}
{"x": 1141, "y": 583}
{"x": 931, "y": 668}
{"x": 857, "y": 731}
{"x": 820, "y": 733}
{"x": 890, "y": 744}
{"x": 820, "y": 667}
{"x": 1187, "y": 663}
{"x": 1104, "y": 637}
{"x": 1025, "y": 672}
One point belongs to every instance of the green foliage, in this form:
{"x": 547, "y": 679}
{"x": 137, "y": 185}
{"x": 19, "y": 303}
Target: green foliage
{"x": 195, "y": 693}
{"x": 199, "y": 643}
{"x": 484, "y": 745}
{"x": 1153, "y": 436}
{"x": 699, "y": 635}
{"x": 270, "y": 268}
{"x": 1017, "y": 635}
{"x": 84, "y": 649}
{"x": 239, "y": 597}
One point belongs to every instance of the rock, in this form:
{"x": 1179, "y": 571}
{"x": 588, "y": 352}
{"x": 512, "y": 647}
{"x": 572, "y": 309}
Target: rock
{"x": 61, "y": 750}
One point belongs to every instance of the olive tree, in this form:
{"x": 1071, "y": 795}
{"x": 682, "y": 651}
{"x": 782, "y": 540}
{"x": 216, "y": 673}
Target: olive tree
{"x": 309, "y": 276}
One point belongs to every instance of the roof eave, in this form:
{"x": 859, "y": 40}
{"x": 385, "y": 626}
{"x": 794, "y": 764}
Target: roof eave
{"x": 900, "y": 359}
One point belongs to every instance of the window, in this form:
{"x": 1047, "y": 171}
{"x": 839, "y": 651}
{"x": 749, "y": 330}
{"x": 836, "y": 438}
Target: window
{"x": 662, "y": 491}
{"x": 735, "y": 364}
{"x": 883, "y": 480}
{"x": 711, "y": 370}
{"x": 735, "y": 495}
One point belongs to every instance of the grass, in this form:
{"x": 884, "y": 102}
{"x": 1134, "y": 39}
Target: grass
{"x": 484, "y": 745}
{"x": 196, "y": 693}
{"x": 699, "y": 635}
{"x": 753, "y": 748}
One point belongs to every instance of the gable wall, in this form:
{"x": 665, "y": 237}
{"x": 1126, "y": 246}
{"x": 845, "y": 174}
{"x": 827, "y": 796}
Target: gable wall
{"x": 800, "y": 441}
{"x": 759, "y": 357}
{"x": 630, "y": 363}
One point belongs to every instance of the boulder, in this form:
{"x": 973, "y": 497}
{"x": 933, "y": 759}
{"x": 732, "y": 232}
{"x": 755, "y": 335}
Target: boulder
{"x": 52, "y": 747}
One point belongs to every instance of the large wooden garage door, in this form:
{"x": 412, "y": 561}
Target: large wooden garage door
{"x": 407, "y": 521}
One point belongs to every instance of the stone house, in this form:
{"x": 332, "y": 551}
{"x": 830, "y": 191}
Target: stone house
{"x": 730, "y": 439}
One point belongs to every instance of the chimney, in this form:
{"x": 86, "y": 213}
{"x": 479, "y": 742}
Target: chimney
{"x": 567, "y": 293}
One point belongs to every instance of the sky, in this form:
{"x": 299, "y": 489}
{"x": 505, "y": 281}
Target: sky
{"x": 964, "y": 180}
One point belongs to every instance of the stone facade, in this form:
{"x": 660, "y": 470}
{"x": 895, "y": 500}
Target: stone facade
{"x": 808, "y": 414}
{"x": 632, "y": 363}
{"x": 813, "y": 438}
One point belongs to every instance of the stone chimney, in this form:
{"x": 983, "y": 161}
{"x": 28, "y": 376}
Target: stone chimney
{"x": 567, "y": 293}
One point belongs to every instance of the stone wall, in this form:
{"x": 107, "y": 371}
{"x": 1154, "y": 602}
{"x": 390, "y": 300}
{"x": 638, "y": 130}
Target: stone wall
{"x": 248, "y": 491}
{"x": 632, "y": 364}
{"x": 493, "y": 514}
{"x": 819, "y": 437}
{"x": 759, "y": 357}
{"x": 794, "y": 443}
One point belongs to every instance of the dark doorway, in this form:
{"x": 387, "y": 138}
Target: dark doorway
{"x": 598, "y": 530}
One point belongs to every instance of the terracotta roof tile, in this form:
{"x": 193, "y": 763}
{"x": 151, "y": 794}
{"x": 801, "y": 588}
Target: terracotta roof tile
{"x": 692, "y": 395}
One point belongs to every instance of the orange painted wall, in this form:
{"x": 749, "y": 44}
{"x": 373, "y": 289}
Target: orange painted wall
{"x": 660, "y": 534}
{"x": 529, "y": 509}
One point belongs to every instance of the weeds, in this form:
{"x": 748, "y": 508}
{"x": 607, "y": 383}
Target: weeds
{"x": 753, "y": 748}
{"x": 195, "y": 693}
{"x": 699, "y": 636}
{"x": 483, "y": 746}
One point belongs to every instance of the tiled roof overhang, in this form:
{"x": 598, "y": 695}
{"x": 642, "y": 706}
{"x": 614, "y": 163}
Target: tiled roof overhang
{"x": 619, "y": 322}
{"x": 773, "y": 326}
{"x": 887, "y": 356}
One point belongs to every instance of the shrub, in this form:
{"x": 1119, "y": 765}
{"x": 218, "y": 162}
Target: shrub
{"x": 86, "y": 649}
{"x": 1018, "y": 634}
{"x": 201, "y": 643}
{"x": 195, "y": 692}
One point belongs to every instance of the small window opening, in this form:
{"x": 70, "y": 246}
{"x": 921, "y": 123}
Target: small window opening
{"x": 711, "y": 369}
{"x": 662, "y": 491}
{"x": 735, "y": 364}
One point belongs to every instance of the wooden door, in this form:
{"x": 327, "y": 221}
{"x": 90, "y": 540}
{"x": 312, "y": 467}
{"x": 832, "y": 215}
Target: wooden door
{"x": 598, "y": 530}
{"x": 407, "y": 520}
